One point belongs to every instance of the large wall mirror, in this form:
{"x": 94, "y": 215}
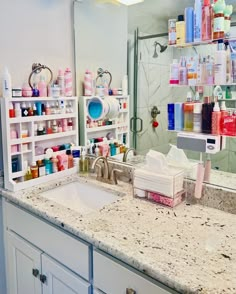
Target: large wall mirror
{"x": 118, "y": 27}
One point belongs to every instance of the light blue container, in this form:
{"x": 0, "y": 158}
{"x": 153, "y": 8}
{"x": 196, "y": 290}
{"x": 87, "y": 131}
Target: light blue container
{"x": 95, "y": 109}
{"x": 198, "y": 21}
{"x": 179, "y": 116}
{"x": 189, "y": 24}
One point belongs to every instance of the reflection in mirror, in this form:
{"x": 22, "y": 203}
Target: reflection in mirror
{"x": 149, "y": 76}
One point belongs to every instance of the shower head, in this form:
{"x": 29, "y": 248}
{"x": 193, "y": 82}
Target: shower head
{"x": 162, "y": 49}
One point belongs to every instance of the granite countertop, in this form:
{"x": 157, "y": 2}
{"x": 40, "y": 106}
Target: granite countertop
{"x": 191, "y": 248}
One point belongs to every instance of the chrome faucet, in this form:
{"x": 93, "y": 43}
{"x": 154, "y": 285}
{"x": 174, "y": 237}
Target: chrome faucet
{"x": 104, "y": 174}
{"x": 127, "y": 152}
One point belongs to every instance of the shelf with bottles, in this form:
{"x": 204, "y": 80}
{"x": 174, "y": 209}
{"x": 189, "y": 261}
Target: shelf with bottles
{"x": 27, "y": 137}
{"x": 202, "y": 43}
{"x": 101, "y": 117}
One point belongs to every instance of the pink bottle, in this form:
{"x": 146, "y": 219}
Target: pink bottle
{"x": 42, "y": 87}
{"x": 206, "y": 21}
{"x": 68, "y": 82}
{"x": 216, "y": 120}
{"x": 88, "y": 83}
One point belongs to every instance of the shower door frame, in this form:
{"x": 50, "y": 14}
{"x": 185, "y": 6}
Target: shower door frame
{"x": 134, "y": 119}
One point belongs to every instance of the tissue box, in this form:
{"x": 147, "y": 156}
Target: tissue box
{"x": 166, "y": 184}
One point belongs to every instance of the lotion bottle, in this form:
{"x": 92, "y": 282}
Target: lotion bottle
{"x": 42, "y": 87}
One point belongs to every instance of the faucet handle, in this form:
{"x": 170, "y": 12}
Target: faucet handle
{"x": 99, "y": 170}
{"x": 113, "y": 176}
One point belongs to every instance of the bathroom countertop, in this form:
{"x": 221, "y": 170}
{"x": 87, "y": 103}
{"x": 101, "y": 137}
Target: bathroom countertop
{"x": 191, "y": 248}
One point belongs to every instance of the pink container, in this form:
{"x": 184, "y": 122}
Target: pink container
{"x": 26, "y": 91}
{"x": 162, "y": 199}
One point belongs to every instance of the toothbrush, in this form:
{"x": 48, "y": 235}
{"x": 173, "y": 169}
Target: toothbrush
{"x": 207, "y": 172}
{"x": 199, "y": 180}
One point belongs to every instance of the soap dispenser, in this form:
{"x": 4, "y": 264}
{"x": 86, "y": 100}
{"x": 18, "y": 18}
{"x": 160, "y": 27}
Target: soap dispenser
{"x": 83, "y": 163}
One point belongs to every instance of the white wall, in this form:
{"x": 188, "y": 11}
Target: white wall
{"x": 35, "y": 31}
{"x": 101, "y": 39}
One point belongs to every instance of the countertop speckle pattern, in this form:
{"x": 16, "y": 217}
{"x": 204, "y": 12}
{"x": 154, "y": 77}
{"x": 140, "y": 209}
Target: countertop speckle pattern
{"x": 190, "y": 248}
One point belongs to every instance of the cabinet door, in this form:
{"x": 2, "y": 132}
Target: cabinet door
{"x": 60, "y": 280}
{"x": 22, "y": 259}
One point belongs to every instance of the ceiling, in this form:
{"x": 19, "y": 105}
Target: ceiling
{"x": 161, "y": 9}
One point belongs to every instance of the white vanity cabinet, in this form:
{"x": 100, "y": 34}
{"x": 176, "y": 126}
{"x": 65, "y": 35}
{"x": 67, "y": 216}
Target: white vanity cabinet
{"x": 42, "y": 259}
{"x": 113, "y": 277}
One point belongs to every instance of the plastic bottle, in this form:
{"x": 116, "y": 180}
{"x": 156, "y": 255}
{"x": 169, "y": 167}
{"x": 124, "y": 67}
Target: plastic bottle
{"x": 68, "y": 82}
{"x": 220, "y": 64}
{"x": 171, "y": 116}
{"x": 183, "y": 72}
{"x": 61, "y": 82}
{"x": 179, "y": 116}
{"x": 6, "y": 84}
{"x": 11, "y": 110}
{"x": 197, "y": 117}
{"x": 216, "y": 119}
{"x": 188, "y": 113}
{"x": 209, "y": 71}
{"x": 189, "y": 24}
{"x": 83, "y": 163}
{"x": 227, "y": 22}
{"x": 197, "y": 21}
{"x": 207, "y": 21}
{"x": 42, "y": 87}
{"x": 218, "y": 22}
{"x": 88, "y": 83}
{"x": 70, "y": 159}
{"x": 125, "y": 85}
{"x": 172, "y": 31}
{"x": 17, "y": 110}
{"x": 174, "y": 72}
{"x": 180, "y": 30}
{"x": 207, "y": 109}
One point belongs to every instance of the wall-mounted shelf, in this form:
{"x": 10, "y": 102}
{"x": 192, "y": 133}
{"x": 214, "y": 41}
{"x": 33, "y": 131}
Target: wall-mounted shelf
{"x": 208, "y": 42}
{"x": 23, "y": 149}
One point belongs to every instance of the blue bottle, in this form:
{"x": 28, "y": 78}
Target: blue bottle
{"x": 189, "y": 24}
{"x": 171, "y": 116}
{"x": 179, "y": 116}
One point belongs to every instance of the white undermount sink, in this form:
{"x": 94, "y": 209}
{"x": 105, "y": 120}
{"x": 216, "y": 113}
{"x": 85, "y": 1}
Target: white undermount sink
{"x": 82, "y": 197}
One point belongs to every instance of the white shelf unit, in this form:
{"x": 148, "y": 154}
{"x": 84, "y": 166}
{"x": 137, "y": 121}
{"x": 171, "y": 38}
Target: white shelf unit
{"x": 119, "y": 128}
{"x": 26, "y": 149}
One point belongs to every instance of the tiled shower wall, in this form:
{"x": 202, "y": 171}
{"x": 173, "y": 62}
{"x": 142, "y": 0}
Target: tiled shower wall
{"x": 154, "y": 90}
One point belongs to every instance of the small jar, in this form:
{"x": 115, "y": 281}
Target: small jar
{"x": 119, "y": 91}
{"x": 218, "y": 32}
{"x": 16, "y": 92}
{"x": 26, "y": 91}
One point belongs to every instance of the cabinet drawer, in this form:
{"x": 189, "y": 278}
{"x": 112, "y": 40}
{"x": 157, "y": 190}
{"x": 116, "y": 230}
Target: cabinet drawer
{"x": 113, "y": 277}
{"x": 69, "y": 251}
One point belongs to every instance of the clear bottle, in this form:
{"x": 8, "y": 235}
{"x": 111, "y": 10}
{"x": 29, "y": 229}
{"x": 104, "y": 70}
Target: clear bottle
{"x": 188, "y": 113}
{"x": 183, "y": 72}
{"x": 83, "y": 163}
{"x": 197, "y": 117}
